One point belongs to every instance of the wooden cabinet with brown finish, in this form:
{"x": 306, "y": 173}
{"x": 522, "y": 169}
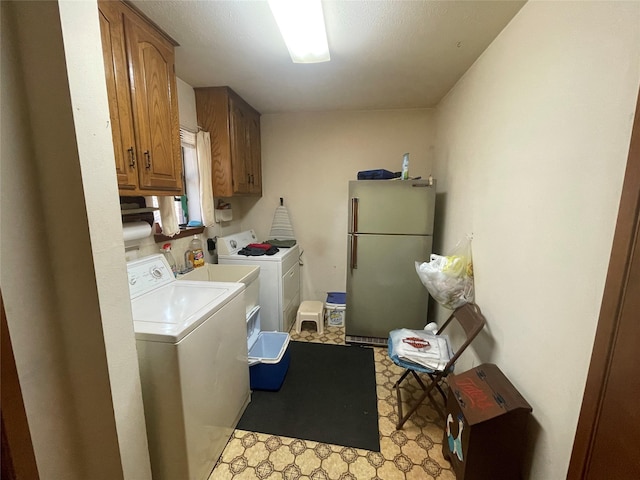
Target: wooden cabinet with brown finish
{"x": 143, "y": 103}
{"x": 235, "y": 141}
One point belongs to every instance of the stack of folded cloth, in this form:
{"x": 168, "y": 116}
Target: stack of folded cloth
{"x": 281, "y": 243}
{"x": 257, "y": 249}
{"x": 421, "y": 347}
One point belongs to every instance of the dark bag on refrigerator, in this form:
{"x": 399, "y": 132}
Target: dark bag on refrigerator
{"x": 378, "y": 174}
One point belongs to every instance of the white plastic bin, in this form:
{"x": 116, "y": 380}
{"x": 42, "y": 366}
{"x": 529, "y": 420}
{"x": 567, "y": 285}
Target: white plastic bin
{"x": 335, "y": 308}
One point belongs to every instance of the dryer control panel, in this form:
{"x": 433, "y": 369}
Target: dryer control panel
{"x": 232, "y": 244}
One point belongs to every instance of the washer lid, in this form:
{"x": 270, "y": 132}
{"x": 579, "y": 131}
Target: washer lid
{"x": 170, "y": 312}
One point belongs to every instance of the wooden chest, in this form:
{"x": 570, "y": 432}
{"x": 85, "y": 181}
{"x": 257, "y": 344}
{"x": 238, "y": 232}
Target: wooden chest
{"x": 486, "y": 421}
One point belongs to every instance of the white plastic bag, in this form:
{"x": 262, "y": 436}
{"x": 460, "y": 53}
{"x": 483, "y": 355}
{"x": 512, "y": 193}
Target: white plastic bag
{"x": 449, "y": 279}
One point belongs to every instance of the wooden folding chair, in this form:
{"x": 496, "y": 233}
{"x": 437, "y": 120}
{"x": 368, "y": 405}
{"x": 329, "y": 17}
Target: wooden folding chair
{"x": 472, "y": 321}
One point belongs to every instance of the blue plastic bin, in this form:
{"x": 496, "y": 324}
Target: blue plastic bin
{"x": 339, "y": 298}
{"x": 268, "y": 356}
{"x": 269, "y": 376}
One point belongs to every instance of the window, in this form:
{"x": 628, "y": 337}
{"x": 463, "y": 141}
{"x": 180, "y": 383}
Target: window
{"x": 191, "y": 177}
{"x": 187, "y": 206}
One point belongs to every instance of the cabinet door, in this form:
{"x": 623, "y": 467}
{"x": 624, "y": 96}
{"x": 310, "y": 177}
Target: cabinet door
{"x": 254, "y": 155}
{"x": 235, "y": 141}
{"x": 238, "y": 135}
{"x": 155, "y": 107}
{"x": 115, "y": 65}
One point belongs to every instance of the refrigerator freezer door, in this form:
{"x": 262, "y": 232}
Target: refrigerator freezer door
{"x": 391, "y": 207}
{"x": 384, "y": 291}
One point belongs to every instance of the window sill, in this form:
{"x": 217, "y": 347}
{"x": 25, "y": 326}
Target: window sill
{"x": 184, "y": 232}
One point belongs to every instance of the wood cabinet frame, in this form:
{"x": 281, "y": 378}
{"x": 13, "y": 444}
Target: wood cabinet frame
{"x": 143, "y": 104}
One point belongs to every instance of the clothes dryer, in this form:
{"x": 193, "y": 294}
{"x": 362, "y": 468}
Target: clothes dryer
{"x": 279, "y": 278}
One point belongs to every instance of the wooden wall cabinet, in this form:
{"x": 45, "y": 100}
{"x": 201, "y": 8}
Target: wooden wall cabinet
{"x": 235, "y": 141}
{"x": 143, "y": 102}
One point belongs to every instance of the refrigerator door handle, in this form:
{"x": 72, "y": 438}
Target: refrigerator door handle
{"x": 354, "y": 252}
{"x": 354, "y": 214}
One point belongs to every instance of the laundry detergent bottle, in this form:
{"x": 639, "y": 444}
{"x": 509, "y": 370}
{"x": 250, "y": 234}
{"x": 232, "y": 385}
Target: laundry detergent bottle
{"x": 195, "y": 253}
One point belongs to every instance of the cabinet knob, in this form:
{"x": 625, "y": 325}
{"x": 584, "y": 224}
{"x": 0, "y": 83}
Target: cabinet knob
{"x": 132, "y": 157}
{"x": 147, "y": 159}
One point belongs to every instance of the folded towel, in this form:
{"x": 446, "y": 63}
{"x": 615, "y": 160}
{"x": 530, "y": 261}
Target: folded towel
{"x": 264, "y": 246}
{"x": 282, "y": 243}
{"x": 250, "y": 251}
{"x": 421, "y": 347}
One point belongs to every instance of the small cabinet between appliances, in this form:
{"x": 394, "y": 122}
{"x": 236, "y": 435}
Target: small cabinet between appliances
{"x": 143, "y": 103}
{"x": 234, "y": 126}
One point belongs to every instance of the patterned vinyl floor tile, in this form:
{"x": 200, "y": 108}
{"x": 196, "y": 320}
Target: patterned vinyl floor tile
{"x": 413, "y": 453}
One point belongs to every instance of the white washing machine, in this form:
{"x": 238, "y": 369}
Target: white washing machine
{"x": 192, "y": 349}
{"x": 279, "y": 278}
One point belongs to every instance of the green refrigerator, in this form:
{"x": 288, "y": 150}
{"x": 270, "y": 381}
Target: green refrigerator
{"x": 390, "y": 227}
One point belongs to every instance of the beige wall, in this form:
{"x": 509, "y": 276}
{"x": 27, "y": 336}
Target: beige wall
{"x": 532, "y": 145}
{"x": 309, "y": 158}
{"x": 63, "y": 277}
{"x": 31, "y": 317}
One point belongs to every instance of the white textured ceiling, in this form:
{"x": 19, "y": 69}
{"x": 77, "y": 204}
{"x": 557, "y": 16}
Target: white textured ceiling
{"x": 384, "y": 54}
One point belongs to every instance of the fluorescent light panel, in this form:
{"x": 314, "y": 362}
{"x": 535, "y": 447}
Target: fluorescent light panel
{"x": 301, "y": 24}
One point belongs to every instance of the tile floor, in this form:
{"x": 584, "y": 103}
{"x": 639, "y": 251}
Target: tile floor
{"x": 411, "y": 453}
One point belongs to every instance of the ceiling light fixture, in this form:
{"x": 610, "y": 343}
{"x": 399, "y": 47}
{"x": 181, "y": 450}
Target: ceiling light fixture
{"x": 301, "y": 24}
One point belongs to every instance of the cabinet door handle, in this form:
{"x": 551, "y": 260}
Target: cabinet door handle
{"x": 132, "y": 157}
{"x": 147, "y": 159}
{"x": 251, "y": 176}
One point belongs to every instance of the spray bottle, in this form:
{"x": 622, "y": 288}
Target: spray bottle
{"x": 166, "y": 251}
